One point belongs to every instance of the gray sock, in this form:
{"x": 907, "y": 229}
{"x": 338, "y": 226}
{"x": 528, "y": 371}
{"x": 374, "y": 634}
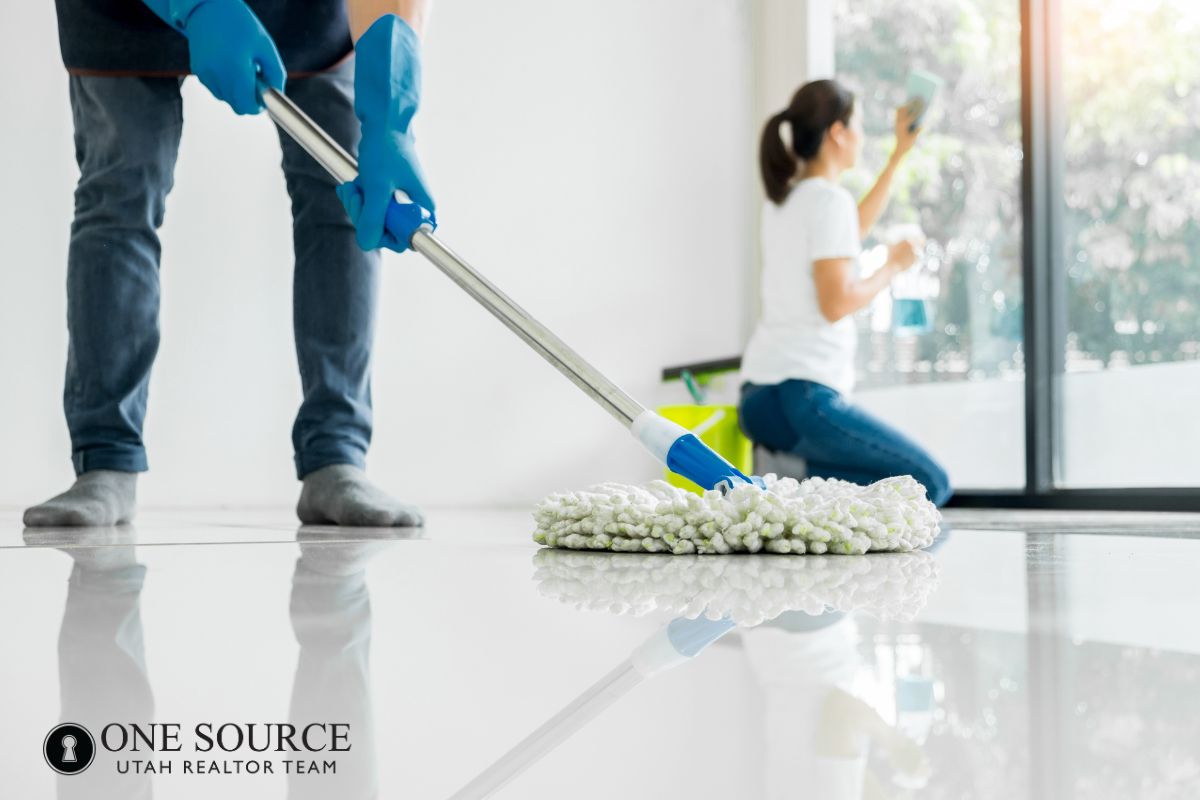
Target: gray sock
{"x": 340, "y": 494}
{"x": 99, "y": 497}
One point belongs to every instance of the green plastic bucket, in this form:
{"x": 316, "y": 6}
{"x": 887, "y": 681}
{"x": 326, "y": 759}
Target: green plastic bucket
{"x": 717, "y": 427}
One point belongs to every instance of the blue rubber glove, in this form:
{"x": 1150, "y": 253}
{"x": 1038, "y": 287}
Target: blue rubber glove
{"x": 387, "y": 91}
{"x": 229, "y": 48}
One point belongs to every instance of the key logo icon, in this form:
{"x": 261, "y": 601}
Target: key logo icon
{"x": 69, "y": 748}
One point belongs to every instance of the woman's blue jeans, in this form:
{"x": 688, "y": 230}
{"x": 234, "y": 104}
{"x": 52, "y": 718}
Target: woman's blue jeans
{"x": 127, "y": 132}
{"x": 836, "y": 439}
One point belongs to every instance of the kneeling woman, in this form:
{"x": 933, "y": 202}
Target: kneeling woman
{"x": 799, "y": 366}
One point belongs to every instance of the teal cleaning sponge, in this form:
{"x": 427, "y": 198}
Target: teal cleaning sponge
{"x": 787, "y": 517}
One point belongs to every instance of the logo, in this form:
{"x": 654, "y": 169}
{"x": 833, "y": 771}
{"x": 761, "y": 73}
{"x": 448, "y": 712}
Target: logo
{"x": 286, "y": 748}
{"x": 69, "y": 748}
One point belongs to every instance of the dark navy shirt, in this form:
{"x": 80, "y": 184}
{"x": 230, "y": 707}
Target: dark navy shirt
{"x": 126, "y": 37}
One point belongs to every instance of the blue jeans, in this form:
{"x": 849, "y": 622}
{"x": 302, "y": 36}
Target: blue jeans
{"x": 836, "y": 439}
{"x": 127, "y": 132}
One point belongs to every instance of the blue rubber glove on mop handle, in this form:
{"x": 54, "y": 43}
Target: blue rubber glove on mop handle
{"x": 229, "y": 48}
{"x": 387, "y": 92}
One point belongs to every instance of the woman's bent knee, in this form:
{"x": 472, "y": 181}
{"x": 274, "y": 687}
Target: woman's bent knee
{"x": 762, "y": 420}
{"x": 937, "y": 484}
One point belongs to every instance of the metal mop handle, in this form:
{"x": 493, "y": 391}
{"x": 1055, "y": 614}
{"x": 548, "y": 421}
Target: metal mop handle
{"x": 566, "y": 723}
{"x": 342, "y": 166}
{"x": 679, "y": 640}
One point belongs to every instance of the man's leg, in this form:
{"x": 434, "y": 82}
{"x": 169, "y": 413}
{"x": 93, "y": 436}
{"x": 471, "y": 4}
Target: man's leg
{"x": 102, "y": 659}
{"x": 334, "y": 297}
{"x": 331, "y": 618}
{"x": 126, "y": 140}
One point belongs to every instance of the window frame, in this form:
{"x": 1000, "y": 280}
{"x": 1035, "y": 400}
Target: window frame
{"x": 1044, "y": 288}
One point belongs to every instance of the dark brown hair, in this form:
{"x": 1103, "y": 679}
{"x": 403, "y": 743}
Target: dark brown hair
{"x": 815, "y": 107}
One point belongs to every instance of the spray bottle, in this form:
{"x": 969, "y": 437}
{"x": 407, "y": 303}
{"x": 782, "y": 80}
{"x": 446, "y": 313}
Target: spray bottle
{"x": 913, "y": 288}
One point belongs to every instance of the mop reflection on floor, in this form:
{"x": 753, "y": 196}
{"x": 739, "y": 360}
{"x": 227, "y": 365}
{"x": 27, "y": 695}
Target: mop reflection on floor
{"x": 104, "y": 677}
{"x": 749, "y": 590}
{"x": 808, "y": 602}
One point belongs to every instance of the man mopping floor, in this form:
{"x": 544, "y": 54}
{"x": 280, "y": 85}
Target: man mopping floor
{"x": 126, "y": 63}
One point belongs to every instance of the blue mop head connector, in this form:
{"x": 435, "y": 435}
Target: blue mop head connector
{"x": 684, "y": 453}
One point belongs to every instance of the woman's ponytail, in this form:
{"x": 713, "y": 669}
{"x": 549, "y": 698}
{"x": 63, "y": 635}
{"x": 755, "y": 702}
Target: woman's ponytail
{"x": 776, "y": 161}
{"x": 815, "y": 107}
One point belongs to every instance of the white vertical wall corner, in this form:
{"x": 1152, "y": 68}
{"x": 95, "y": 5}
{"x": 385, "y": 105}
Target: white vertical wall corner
{"x": 793, "y": 44}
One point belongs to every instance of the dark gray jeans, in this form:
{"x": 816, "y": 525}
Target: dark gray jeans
{"x": 127, "y": 132}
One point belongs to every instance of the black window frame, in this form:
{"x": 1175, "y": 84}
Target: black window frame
{"x": 1045, "y": 292}
{"x": 1044, "y": 289}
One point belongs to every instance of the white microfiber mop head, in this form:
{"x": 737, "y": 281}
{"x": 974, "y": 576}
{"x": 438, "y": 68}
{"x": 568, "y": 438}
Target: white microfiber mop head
{"x": 812, "y": 516}
{"x": 748, "y": 590}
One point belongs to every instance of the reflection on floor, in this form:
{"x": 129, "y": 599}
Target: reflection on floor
{"x": 463, "y": 662}
{"x": 1136, "y": 523}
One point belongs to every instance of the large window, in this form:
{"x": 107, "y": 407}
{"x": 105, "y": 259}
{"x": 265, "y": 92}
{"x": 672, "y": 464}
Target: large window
{"x": 1131, "y": 235}
{"x": 1059, "y": 180}
{"x": 957, "y": 387}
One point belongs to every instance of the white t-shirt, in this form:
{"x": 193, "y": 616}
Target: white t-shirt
{"x": 819, "y": 220}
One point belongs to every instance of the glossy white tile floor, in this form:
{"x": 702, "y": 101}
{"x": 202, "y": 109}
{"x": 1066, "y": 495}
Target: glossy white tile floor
{"x": 1001, "y": 665}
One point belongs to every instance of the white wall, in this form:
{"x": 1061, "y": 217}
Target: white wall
{"x": 975, "y": 429}
{"x": 792, "y": 44}
{"x": 1127, "y": 427}
{"x": 590, "y": 158}
{"x": 1132, "y": 427}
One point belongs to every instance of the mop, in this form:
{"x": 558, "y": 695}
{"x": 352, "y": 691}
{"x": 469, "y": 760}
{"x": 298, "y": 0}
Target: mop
{"x": 708, "y": 598}
{"x": 738, "y": 513}
{"x": 773, "y": 515}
